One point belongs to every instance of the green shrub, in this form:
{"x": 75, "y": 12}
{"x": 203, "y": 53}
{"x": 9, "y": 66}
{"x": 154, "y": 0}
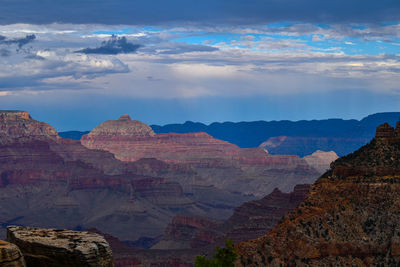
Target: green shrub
{"x": 223, "y": 257}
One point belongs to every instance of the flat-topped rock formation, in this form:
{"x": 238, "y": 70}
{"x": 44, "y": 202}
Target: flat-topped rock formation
{"x": 10, "y": 255}
{"x": 58, "y": 248}
{"x": 351, "y": 216}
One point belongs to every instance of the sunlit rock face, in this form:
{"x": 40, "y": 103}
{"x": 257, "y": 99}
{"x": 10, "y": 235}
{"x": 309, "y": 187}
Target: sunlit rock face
{"x": 349, "y": 218}
{"x": 321, "y": 160}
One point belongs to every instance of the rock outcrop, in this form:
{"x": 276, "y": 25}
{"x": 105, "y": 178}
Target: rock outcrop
{"x": 351, "y": 216}
{"x": 124, "y": 126}
{"x": 321, "y": 160}
{"x": 19, "y": 125}
{"x": 10, "y": 255}
{"x": 52, "y": 247}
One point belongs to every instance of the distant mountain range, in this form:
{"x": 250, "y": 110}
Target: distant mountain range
{"x": 295, "y": 137}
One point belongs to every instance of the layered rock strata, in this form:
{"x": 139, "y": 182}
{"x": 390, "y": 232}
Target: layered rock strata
{"x": 217, "y": 163}
{"x": 349, "y": 218}
{"x": 54, "y": 182}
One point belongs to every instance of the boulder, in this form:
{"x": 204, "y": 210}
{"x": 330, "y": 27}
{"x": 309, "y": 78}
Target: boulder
{"x": 52, "y": 247}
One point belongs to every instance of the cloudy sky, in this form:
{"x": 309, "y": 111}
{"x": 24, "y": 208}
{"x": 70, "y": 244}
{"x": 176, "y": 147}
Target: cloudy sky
{"x": 76, "y": 63}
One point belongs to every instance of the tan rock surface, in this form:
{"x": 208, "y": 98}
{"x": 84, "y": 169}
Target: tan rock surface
{"x": 321, "y": 160}
{"x": 52, "y": 247}
{"x": 10, "y": 255}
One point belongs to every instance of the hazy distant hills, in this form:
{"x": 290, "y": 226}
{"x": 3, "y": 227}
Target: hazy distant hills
{"x": 305, "y": 137}
{"x": 300, "y": 137}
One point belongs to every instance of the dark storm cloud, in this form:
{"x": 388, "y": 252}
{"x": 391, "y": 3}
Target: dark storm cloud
{"x": 116, "y": 45}
{"x": 233, "y": 12}
{"x": 18, "y": 41}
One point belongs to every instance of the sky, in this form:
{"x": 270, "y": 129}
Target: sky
{"x": 77, "y": 63}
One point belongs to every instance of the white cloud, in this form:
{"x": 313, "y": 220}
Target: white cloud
{"x": 256, "y": 61}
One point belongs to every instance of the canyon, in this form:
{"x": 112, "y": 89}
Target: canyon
{"x": 144, "y": 188}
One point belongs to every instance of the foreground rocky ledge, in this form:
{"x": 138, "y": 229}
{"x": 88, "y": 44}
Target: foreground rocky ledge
{"x": 51, "y": 247}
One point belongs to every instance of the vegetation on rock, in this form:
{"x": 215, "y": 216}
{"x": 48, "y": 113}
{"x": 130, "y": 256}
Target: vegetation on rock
{"x": 223, "y": 257}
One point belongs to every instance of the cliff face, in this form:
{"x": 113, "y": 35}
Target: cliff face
{"x": 250, "y": 171}
{"x": 349, "y": 218}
